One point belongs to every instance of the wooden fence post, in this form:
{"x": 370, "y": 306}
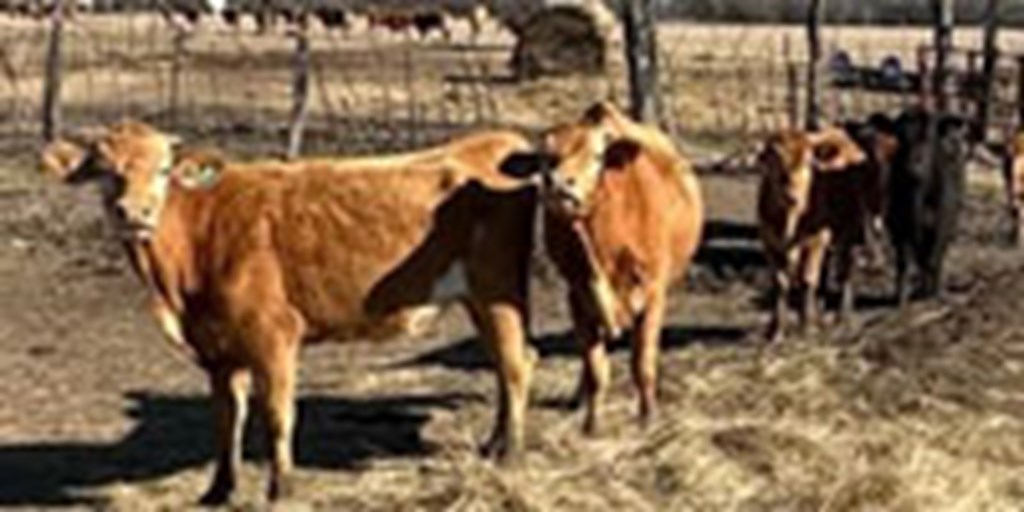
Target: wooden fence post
{"x": 815, "y": 16}
{"x": 1020, "y": 91}
{"x": 301, "y": 64}
{"x": 178, "y": 41}
{"x": 642, "y": 58}
{"x": 990, "y": 48}
{"x": 943, "y": 16}
{"x": 51, "y": 118}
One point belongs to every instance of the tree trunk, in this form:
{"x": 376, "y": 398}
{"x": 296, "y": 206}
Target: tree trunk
{"x": 943, "y": 15}
{"x": 300, "y": 91}
{"x": 54, "y": 68}
{"x": 642, "y": 59}
{"x": 815, "y": 16}
{"x": 988, "y": 71}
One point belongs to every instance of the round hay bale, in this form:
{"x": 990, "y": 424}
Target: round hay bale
{"x": 560, "y": 40}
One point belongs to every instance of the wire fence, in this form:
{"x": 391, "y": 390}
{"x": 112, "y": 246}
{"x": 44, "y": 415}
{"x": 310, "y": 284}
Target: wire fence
{"x": 722, "y": 86}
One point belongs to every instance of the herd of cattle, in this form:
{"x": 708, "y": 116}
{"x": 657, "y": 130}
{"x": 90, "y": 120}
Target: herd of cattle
{"x": 266, "y": 15}
{"x": 245, "y": 261}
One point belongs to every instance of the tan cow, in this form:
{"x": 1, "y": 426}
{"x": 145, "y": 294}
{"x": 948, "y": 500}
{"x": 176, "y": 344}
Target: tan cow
{"x": 811, "y": 198}
{"x": 246, "y": 261}
{"x": 1013, "y": 176}
{"x": 624, "y": 215}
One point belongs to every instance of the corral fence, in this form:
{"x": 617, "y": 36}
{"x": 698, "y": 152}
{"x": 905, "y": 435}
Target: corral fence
{"x": 365, "y": 92}
{"x": 723, "y": 86}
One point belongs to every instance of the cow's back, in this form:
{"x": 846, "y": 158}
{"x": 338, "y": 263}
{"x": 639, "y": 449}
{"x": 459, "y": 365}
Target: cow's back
{"x": 361, "y": 243}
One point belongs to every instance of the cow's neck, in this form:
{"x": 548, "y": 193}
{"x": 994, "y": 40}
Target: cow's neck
{"x": 166, "y": 261}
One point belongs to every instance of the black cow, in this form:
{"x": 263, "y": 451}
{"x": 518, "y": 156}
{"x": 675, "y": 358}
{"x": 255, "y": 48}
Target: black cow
{"x": 876, "y": 136}
{"x": 926, "y": 189}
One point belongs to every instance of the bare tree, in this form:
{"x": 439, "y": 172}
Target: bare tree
{"x": 942, "y": 11}
{"x": 301, "y": 64}
{"x": 52, "y": 85}
{"x": 815, "y": 16}
{"x": 991, "y": 56}
{"x": 641, "y": 56}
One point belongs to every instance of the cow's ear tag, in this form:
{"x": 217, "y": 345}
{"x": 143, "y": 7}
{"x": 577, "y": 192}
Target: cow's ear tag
{"x": 200, "y": 177}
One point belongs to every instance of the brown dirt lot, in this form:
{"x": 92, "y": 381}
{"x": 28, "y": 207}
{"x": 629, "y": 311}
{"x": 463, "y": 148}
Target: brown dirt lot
{"x": 917, "y": 411}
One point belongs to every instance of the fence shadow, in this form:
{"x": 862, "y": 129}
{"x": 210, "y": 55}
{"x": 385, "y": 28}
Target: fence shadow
{"x": 174, "y": 433}
{"x": 730, "y": 246}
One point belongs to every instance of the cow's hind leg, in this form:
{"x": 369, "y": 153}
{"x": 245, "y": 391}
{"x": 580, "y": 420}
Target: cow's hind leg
{"x": 230, "y": 388}
{"x": 646, "y": 346}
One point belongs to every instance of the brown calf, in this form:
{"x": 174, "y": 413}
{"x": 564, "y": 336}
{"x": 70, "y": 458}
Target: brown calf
{"x": 246, "y": 261}
{"x": 623, "y": 219}
{"x": 811, "y": 198}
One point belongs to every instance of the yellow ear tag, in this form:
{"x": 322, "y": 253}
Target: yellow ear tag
{"x": 203, "y": 177}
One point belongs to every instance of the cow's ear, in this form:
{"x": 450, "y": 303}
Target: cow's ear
{"x": 597, "y": 113}
{"x": 828, "y": 156}
{"x": 522, "y": 165}
{"x": 621, "y": 153}
{"x": 60, "y": 159}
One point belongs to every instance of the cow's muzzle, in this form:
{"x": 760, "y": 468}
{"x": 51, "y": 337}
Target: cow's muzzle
{"x": 134, "y": 224}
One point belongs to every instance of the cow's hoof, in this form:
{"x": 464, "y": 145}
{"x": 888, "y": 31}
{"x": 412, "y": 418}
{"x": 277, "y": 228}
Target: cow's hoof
{"x": 217, "y": 495}
{"x": 282, "y": 488}
{"x": 646, "y": 418}
{"x": 774, "y": 333}
{"x": 494, "y": 448}
{"x": 501, "y": 452}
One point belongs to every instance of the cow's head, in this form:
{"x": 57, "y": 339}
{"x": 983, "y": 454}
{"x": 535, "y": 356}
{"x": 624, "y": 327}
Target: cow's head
{"x": 575, "y": 157}
{"x": 786, "y": 163}
{"x": 132, "y": 162}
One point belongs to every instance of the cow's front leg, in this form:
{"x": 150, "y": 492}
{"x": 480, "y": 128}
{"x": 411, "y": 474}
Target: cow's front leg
{"x": 596, "y": 372}
{"x": 779, "y": 299}
{"x": 501, "y": 326}
{"x": 1015, "y": 227}
{"x": 646, "y": 346}
{"x": 277, "y": 344}
{"x": 811, "y": 260}
{"x": 844, "y": 271}
{"x": 230, "y": 388}
{"x": 903, "y": 275}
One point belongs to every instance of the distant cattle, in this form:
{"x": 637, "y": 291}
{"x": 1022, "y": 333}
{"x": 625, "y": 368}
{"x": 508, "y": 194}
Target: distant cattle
{"x": 424, "y": 22}
{"x": 623, "y": 219}
{"x": 926, "y": 190}
{"x": 332, "y": 18}
{"x": 246, "y": 261}
{"x": 814, "y": 196}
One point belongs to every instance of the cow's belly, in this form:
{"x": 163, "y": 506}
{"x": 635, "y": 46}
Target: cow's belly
{"x": 402, "y": 298}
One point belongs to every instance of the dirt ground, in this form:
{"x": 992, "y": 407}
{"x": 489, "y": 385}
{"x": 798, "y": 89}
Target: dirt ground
{"x": 920, "y": 411}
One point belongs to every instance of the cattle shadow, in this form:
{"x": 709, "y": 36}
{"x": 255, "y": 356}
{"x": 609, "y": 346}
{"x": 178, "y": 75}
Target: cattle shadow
{"x": 470, "y": 354}
{"x": 174, "y": 433}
